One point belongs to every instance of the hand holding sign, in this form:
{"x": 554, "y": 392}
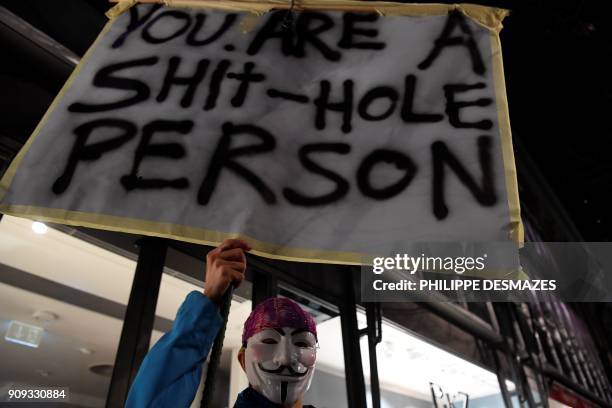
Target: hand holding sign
{"x": 225, "y": 266}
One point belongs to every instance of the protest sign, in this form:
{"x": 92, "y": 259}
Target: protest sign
{"x": 324, "y": 134}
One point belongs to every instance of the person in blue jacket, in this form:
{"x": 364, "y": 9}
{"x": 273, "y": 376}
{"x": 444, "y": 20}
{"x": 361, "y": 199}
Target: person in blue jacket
{"x": 278, "y": 350}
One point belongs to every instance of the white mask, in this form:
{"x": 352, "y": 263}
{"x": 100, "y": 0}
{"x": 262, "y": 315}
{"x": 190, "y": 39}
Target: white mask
{"x": 280, "y": 363}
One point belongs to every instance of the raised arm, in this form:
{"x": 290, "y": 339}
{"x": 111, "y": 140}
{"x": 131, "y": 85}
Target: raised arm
{"x": 171, "y": 371}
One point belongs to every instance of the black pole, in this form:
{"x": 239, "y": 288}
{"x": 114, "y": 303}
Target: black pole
{"x": 374, "y": 337}
{"x": 353, "y": 368}
{"x": 139, "y": 317}
{"x": 501, "y": 379}
{"x": 217, "y": 348}
{"x": 264, "y": 286}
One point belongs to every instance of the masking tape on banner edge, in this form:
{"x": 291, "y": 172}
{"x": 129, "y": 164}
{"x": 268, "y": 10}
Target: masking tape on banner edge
{"x": 178, "y": 232}
{"x": 516, "y": 230}
{"x": 490, "y": 18}
{"x": 209, "y": 237}
{"x": 119, "y": 8}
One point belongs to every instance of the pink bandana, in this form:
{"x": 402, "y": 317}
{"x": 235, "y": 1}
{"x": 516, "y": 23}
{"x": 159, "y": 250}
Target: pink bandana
{"x": 274, "y": 313}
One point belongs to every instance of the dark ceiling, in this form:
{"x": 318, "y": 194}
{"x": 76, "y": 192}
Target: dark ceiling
{"x": 557, "y": 62}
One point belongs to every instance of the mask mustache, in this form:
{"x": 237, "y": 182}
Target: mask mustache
{"x": 282, "y": 368}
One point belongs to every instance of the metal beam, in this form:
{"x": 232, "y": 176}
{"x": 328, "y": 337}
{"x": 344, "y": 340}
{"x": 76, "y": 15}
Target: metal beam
{"x": 562, "y": 378}
{"x": 264, "y": 286}
{"x": 66, "y": 294}
{"x": 463, "y": 319}
{"x": 139, "y": 316}
{"x": 374, "y": 318}
{"x": 501, "y": 377}
{"x": 353, "y": 367}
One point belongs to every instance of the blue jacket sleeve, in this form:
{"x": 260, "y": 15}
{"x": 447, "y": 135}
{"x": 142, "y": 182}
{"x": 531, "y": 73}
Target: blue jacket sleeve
{"x": 170, "y": 373}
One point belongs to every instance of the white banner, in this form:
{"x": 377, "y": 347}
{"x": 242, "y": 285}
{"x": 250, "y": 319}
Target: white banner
{"x": 315, "y": 135}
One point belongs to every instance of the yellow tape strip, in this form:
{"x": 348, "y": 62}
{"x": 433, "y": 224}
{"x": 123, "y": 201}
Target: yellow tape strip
{"x": 503, "y": 118}
{"x": 489, "y": 17}
{"x": 178, "y": 232}
{"x": 120, "y": 8}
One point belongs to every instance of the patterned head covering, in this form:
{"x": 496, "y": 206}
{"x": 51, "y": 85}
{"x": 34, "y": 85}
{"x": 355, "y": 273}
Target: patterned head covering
{"x": 274, "y": 313}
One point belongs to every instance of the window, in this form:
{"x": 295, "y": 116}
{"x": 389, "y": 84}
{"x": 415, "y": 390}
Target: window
{"x": 70, "y": 292}
{"x": 412, "y": 370}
